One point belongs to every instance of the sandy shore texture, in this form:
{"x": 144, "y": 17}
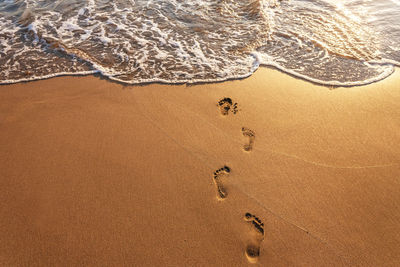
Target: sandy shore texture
{"x": 95, "y": 173}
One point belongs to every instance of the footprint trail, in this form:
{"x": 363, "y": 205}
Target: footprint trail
{"x": 221, "y": 192}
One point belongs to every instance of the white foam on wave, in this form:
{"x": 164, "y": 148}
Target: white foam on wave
{"x": 396, "y": 2}
{"x": 387, "y": 70}
{"x": 176, "y": 42}
{"x": 48, "y": 76}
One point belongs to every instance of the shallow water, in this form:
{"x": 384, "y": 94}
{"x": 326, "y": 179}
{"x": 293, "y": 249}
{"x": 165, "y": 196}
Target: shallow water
{"x": 333, "y": 42}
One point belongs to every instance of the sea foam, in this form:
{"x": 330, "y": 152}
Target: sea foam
{"x": 341, "y": 43}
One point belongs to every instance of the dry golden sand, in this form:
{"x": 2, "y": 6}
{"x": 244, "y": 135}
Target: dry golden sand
{"x": 94, "y": 173}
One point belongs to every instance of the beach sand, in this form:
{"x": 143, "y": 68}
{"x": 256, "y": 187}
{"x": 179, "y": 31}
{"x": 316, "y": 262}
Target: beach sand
{"x": 96, "y": 173}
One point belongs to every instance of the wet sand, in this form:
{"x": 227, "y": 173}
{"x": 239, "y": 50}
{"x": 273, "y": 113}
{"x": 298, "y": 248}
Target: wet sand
{"x": 95, "y": 173}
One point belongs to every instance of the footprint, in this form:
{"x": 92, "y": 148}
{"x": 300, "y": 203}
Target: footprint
{"x": 226, "y": 104}
{"x": 251, "y": 135}
{"x": 253, "y": 248}
{"x": 221, "y": 193}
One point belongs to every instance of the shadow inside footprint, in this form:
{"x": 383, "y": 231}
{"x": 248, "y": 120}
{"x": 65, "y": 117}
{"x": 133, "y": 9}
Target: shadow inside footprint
{"x": 226, "y": 104}
{"x": 221, "y": 192}
{"x": 251, "y": 135}
{"x": 252, "y": 253}
{"x": 253, "y": 248}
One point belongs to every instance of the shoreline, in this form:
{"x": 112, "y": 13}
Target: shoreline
{"x": 101, "y": 173}
{"x": 271, "y": 66}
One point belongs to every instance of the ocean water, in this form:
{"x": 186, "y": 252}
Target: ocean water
{"x": 332, "y": 42}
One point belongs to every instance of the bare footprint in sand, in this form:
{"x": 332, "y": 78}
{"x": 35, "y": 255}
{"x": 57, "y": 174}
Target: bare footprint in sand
{"x": 226, "y": 104}
{"x": 221, "y": 192}
{"x": 251, "y": 135}
{"x": 253, "y": 248}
